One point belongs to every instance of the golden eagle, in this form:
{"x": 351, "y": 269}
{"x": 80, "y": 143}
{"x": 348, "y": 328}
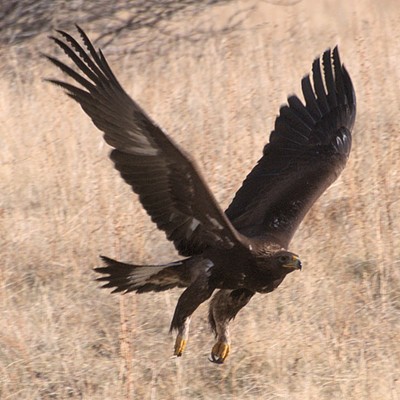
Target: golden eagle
{"x": 244, "y": 250}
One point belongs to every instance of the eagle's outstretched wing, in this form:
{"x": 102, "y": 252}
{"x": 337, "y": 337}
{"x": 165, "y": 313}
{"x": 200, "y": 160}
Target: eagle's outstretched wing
{"x": 307, "y": 151}
{"x": 169, "y": 186}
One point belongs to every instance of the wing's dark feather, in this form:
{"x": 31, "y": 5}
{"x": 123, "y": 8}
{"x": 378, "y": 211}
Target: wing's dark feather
{"x": 307, "y": 151}
{"x": 292, "y": 135}
{"x": 167, "y": 181}
{"x": 91, "y": 49}
{"x": 77, "y": 60}
{"x": 108, "y": 70}
{"x": 349, "y": 89}
{"x": 68, "y": 87}
{"x": 82, "y": 54}
{"x": 69, "y": 71}
{"x": 79, "y": 95}
{"x": 330, "y": 83}
{"x": 298, "y": 107}
{"x": 309, "y": 97}
{"x": 295, "y": 122}
{"x": 343, "y": 97}
{"x": 99, "y": 60}
{"x": 319, "y": 87}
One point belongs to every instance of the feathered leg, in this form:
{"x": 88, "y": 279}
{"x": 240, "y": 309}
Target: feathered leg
{"x": 198, "y": 292}
{"x": 223, "y": 308}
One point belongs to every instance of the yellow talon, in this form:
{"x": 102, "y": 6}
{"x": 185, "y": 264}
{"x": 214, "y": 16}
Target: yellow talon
{"x": 219, "y": 352}
{"x": 180, "y": 345}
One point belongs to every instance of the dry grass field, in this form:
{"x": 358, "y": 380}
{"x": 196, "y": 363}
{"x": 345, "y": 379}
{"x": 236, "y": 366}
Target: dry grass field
{"x": 331, "y": 331}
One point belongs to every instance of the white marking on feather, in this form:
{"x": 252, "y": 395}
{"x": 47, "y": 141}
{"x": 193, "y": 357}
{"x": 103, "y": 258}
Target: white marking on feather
{"x": 209, "y": 265}
{"x": 229, "y": 242}
{"x": 214, "y": 222}
{"x": 140, "y": 138}
{"x": 250, "y": 247}
{"x": 194, "y": 224}
{"x": 141, "y": 151}
{"x": 142, "y": 145}
{"x": 142, "y": 275}
{"x": 184, "y": 330}
{"x": 172, "y": 264}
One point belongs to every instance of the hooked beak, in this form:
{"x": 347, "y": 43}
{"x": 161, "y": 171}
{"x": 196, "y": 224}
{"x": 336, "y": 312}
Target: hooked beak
{"x": 295, "y": 263}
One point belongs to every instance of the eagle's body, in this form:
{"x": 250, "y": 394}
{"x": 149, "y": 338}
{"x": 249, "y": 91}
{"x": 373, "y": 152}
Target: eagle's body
{"x": 240, "y": 268}
{"x": 244, "y": 250}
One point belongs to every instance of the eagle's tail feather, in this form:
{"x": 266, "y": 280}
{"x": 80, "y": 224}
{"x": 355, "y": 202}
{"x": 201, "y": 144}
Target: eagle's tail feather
{"x": 140, "y": 278}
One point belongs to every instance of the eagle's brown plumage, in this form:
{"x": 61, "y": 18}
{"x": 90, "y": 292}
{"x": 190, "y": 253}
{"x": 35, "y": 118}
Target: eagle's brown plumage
{"x": 244, "y": 250}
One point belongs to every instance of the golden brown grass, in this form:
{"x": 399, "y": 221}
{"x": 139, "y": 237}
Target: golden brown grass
{"x": 330, "y": 332}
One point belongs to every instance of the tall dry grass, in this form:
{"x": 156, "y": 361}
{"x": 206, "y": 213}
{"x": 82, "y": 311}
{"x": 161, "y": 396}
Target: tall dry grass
{"x": 330, "y": 332}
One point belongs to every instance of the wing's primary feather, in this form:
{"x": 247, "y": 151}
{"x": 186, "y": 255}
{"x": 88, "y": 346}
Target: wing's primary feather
{"x": 168, "y": 183}
{"x": 307, "y": 151}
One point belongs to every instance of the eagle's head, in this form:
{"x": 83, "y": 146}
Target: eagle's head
{"x": 287, "y": 261}
{"x": 273, "y": 269}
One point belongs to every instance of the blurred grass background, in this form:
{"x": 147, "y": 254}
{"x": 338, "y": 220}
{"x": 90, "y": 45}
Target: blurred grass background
{"x": 329, "y": 332}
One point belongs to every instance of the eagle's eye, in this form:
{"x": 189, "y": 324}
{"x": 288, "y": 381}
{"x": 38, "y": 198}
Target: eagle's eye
{"x": 283, "y": 259}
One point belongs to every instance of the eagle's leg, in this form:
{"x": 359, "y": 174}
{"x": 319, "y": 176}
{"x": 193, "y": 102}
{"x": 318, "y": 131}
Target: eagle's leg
{"x": 198, "y": 292}
{"x": 223, "y": 308}
{"x": 182, "y": 338}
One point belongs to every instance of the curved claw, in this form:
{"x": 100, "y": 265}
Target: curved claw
{"x": 219, "y": 352}
{"x": 180, "y": 345}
